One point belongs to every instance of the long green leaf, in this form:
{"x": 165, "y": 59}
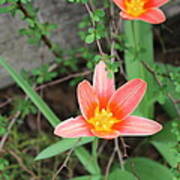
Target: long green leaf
{"x": 87, "y": 160}
{"x": 62, "y": 146}
{"x": 36, "y": 99}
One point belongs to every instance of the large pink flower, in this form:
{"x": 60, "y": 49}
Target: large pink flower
{"x": 106, "y": 111}
{"x": 145, "y": 10}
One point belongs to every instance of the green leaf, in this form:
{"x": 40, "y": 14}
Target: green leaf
{"x": 165, "y": 143}
{"x": 61, "y": 147}
{"x": 119, "y": 174}
{"x": 95, "y": 177}
{"x": 90, "y": 38}
{"x": 6, "y": 9}
{"x": 87, "y": 160}
{"x": 36, "y": 99}
{"x": 147, "y": 169}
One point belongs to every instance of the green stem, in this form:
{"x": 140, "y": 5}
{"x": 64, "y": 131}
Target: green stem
{"x": 94, "y": 152}
{"x": 139, "y": 43}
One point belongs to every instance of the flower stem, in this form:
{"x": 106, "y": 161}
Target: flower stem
{"x": 94, "y": 153}
{"x": 139, "y": 47}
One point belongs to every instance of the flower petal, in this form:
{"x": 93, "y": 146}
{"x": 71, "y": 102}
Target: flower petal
{"x": 103, "y": 135}
{"x": 155, "y": 3}
{"x": 72, "y": 128}
{"x": 87, "y": 98}
{"x": 126, "y": 98}
{"x": 103, "y": 85}
{"x": 153, "y": 16}
{"x": 120, "y": 4}
{"x": 137, "y": 126}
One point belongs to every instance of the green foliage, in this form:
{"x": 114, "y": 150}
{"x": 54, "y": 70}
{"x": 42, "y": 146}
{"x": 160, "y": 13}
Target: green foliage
{"x": 95, "y": 24}
{"x": 95, "y": 28}
{"x": 147, "y": 169}
{"x": 88, "y": 161}
{"x": 168, "y": 76}
{"x": 43, "y": 74}
{"x": 3, "y": 125}
{"x": 62, "y": 146}
{"x": 3, "y": 165}
{"x": 94, "y": 177}
{"x": 118, "y": 174}
{"x": 166, "y": 142}
{"x": 24, "y": 106}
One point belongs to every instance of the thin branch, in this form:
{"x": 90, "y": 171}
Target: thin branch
{"x": 118, "y": 151}
{"x": 5, "y": 103}
{"x": 109, "y": 164}
{"x": 64, "y": 164}
{"x": 94, "y": 25}
{"x": 52, "y": 83}
{"x": 4, "y": 138}
{"x": 62, "y": 80}
{"x": 125, "y": 146}
{"x": 120, "y": 156}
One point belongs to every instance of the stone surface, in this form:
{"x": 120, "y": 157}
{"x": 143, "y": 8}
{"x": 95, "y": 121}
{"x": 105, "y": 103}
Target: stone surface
{"x": 19, "y": 53}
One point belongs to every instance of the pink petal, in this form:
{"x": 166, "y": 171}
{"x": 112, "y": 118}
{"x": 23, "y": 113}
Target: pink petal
{"x": 120, "y": 4}
{"x": 153, "y": 16}
{"x": 103, "y": 135}
{"x": 155, "y": 3}
{"x": 103, "y": 85}
{"x": 87, "y": 98}
{"x": 72, "y": 128}
{"x": 137, "y": 126}
{"x": 126, "y": 98}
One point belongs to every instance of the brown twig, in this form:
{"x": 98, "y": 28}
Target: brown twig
{"x": 52, "y": 83}
{"x": 119, "y": 153}
{"x": 12, "y": 122}
{"x": 5, "y": 103}
{"x": 94, "y": 25}
{"x": 64, "y": 164}
{"x": 62, "y": 80}
{"x": 125, "y": 146}
{"x": 109, "y": 164}
{"x": 121, "y": 161}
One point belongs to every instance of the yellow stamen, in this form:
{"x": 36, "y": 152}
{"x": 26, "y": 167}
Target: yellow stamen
{"x": 135, "y": 7}
{"x": 103, "y": 121}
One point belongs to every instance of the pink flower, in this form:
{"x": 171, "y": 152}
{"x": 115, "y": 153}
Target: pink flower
{"x": 106, "y": 111}
{"x": 145, "y": 10}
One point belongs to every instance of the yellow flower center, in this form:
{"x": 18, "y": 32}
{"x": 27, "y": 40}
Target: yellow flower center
{"x": 135, "y": 7}
{"x": 103, "y": 121}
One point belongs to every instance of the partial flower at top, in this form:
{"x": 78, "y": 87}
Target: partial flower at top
{"x": 145, "y": 10}
{"x": 106, "y": 111}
